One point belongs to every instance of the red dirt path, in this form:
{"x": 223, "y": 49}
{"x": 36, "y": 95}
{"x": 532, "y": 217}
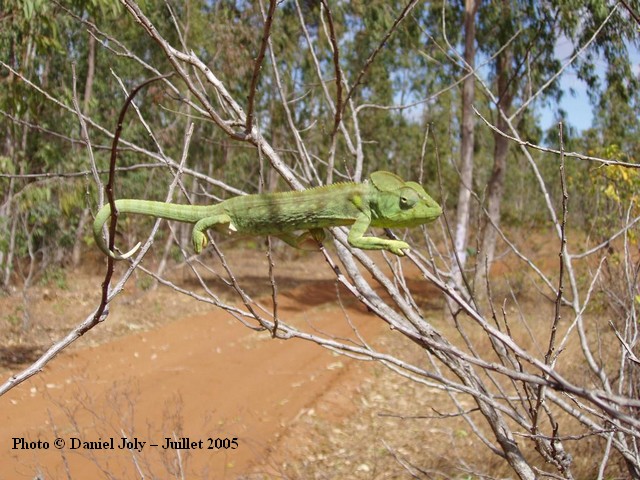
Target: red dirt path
{"x": 200, "y": 377}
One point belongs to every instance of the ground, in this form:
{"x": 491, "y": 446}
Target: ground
{"x": 165, "y": 368}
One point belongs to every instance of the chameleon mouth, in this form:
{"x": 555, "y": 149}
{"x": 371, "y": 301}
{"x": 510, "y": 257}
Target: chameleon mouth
{"x": 420, "y": 219}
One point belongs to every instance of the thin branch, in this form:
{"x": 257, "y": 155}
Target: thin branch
{"x": 437, "y": 416}
{"x": 365, "y": 68}
{"x": 631, "y": 11}
{"x": 108, "y": 133}
{"x": 274, "y": 287}
{"x": 338, "y": 74}
{"x": 632, "y": 356}
{"x": 329, "y": 99}
{"x": 580, "y": 156}
{"x": 257, "y": 65}
{"x": 562, "y": 255}
{"x": 336, "y": 66}
{"x": 84, "y": 132}
{"x": 607, "y": 242}
{"x": 564, "y": 67}
{"x": 101, "y": 311}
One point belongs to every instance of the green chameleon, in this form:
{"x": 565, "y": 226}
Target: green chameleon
{"x": 385, "y": 201}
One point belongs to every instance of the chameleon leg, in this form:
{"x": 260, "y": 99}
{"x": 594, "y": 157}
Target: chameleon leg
{"x": 199, "y": 238}
{"x": 308, "y": 240}
{"x": 358, "y": 240}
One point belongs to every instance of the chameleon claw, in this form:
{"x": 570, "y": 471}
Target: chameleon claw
{"x": 199, "y": 241}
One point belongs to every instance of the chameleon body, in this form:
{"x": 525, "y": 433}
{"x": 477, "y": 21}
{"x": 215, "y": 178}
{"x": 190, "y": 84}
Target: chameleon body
{"x": 384, "y": 201}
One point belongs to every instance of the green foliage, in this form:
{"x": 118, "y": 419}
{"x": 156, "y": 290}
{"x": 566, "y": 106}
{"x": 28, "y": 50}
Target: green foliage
{"x": 145, "y": 282}
{"x": 55, "y": 275}
{"x": 6, "y": 165}
{"x": 621, "y": 184}
{"x": 176, "y": 254}
{"x": 40, "y": 39}
{"x": 616, "y": 189}
{"x": 15, "y": 318}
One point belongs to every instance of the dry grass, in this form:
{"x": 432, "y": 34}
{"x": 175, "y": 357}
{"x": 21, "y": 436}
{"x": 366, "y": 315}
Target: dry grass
{"x": 382, "y": 425}
{"x": 403, "y": 429}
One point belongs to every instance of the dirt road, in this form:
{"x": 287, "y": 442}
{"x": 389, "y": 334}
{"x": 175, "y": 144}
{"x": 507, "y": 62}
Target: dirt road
{"x": 201, "y": 382}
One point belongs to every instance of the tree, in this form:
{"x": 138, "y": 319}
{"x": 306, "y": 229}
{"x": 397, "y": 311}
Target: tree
{"x": 524, "y": 37}
{"x": 467, "y": 123}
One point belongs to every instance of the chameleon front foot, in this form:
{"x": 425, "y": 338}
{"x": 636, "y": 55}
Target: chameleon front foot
{"x": 397, "y": 247}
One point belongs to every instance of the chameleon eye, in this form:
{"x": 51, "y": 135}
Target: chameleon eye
{"x": 406, "y": 202}
{"x": 407, "y": 198}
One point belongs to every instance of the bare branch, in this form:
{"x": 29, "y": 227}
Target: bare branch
{"x": 569, "y": 62}
{"x": 580, "y": 156}
{"x": 365, "y": 68}
{"x": 257, "y": 66}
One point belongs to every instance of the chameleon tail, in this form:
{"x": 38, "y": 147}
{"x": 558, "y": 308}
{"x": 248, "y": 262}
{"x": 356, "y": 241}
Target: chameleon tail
{"x": 101, "y": 218}
{"x": 169, "y": 211}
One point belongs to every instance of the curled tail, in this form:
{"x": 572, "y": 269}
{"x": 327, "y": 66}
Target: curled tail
{"x": 169, "y": 211}
{"x": 101, "y": 218}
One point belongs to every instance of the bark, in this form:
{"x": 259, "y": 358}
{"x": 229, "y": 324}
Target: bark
{"x": 8, "y": 263}
{"x": 466, "y": 144}
{"x": 12, "y": 209}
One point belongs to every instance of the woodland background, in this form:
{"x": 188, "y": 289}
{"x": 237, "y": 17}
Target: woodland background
{"x": 271, "y": 96}
{"x": 515, "y": 48}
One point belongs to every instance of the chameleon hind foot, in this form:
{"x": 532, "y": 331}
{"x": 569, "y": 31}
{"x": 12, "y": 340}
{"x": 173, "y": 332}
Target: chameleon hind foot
{"x": 199, "y": 240}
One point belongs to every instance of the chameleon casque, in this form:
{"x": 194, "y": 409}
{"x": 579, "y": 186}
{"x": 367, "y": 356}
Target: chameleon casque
{"x": 384, "y": 201}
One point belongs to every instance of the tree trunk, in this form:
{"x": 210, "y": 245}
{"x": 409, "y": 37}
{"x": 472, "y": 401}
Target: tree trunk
{"x": 466, "y": 144}
{"x": 6, "y": 212}
{"x": 8, "y": 262}
{"x": 91, "y": 69}
{"x": 164, "y": 261}
{"x": 495, "y": 189}
{"x": 76, "y": 254}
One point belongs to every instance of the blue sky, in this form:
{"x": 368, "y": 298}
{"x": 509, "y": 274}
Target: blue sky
{"x": 578, "y": 108}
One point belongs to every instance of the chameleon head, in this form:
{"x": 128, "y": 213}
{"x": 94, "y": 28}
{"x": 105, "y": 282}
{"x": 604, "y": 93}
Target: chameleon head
{"x": 401, "y": 204}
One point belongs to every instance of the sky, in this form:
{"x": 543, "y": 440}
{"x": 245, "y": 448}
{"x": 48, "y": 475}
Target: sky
{"x": 579, "y": 109}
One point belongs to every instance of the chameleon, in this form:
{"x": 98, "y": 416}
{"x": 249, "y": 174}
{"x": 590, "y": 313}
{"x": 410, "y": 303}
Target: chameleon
{"x": 385, "y": 201}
